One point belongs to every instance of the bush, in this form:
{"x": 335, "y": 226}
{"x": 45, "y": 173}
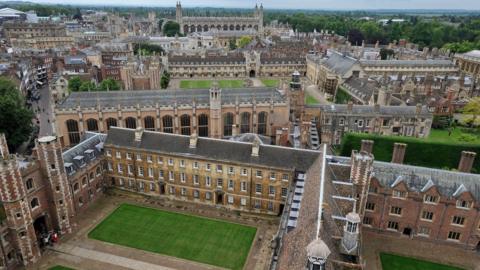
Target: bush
{"x": 419, "y": 152}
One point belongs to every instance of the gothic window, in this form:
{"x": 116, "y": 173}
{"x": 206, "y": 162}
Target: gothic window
{"x": 167, "y": 122}
{"x": 245, "y": 122}
{"x": 149, "y": 123}
{"x": 232, "y": 27}
{"x": 34, "y": 203}
{"x": 29, "y": 183}
{"x": 92, "y": 124}
{"x": 111, "y": 122}
{"x": 237, "y": 27}
{"x": 185, "y": 29}
{"x": 203, "y": 125}
{"x": 262, "y": 123}
{"x": 185, "y": 124}
{"x": 205, "y": 28}
{"x": 227, "y": 124}
{"x": 73, "y": 133}
{"x": 130, "y": 122}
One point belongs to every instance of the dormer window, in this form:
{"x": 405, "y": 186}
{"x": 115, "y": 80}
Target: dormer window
{"x": 69, "y": 168}
{"x": 463, "y": 204}
{"x": 430, "y": 199}
{"x": 399, "y": 194}
{"x": 90, "y": 154}
{"x": 80, "y": 160}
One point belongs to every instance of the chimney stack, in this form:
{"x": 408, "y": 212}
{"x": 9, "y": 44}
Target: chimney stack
{"x": 350, "y": 106}
{"x": 256, "y": 147}
{"x": 466, "y": 161}
{"x": 399, "y": 152}
{"x": 193, "y": 140}
{"x": 367, "y": 146}
{"x": 138, "y": 134}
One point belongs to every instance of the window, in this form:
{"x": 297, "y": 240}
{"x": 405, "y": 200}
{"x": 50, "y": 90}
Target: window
{"x": 230, "y": 184}
{"x": 243, "y": 201}
{"x": 34, "y": 203}
{"x": 84, "y": 181}
{"x": 367, "y": 221}
{"x": 182, "y": 177}
{"x": 285, "y": 177}
{"x": 130, "y": 169}
{"x": 160, "y": 160}
{"x": 270, "y": 206}
{"x": 272, "y": 176}
{"x": 172, "y": 190}
{"x": 394, "y": 210}
{"x": 458, "y": 220}
{"x": 399, "y": 194}
{"x": 160, "y": 174}
{"x": 208, "y": 167}
{"x": 109, "y": 153}
{"x": 258, "y": 174}
{"x": 129, "y": 156}
{"x": 139, "y": 157}
{"x": 195, "y": 165}
{"x": 203, "y": 125}
{"x": 463, "y": 204}
{"x": 171, "y": 176}
{"x": 120, "y": 168}
{"x": 170, "y": 162}
{"x": 258, "y": 188}
{"x": 219, "y": 168}
{"x": 230, "y": 199}
{"x": 453, "y": 235}
{"x": 219, "y": 182}
{"x": 152, "y": 187}
{"x": 243, "y": 186}
{"x": 231, "y": 170}
{"x": 196, "y": 194}
{"x": 244, "y": 172}
{"x": 372, "y": 189}
{"x": 183, "y": 191}
{"x": 430, "y": 199}
{"x": 392, "y": 225}
{"x": 427, "y": 215}
{"x": 271, "y": 190}
{"x": 257, "y": 204}
{"x": 370, "y": 206}
{"x": 29, "y": 183}
{"x": 208, "y": 195}
{"x": 150, "y": 172}
{"x": 182, "y": 163}
{"x": 140, "y": 171}
{"x": 424, "y": 231}
{"x": 284, "y": 192}
{"x": 110, "y": 167}
{"x": 228, "y": 124}
{"x": 149, "y": 159}
{"x": 196, "y": 180}
{"x": 208, "y": 181}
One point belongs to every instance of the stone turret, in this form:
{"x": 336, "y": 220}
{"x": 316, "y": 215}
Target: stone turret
{"x": 360, "y": 173}
{"x": 215, "y": 110}
{"x": 317, "y": 253}
{"x": 351, "y": 232}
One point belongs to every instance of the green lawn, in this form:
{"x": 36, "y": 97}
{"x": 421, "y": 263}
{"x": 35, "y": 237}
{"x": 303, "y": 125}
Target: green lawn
{"x": 201, "y": 84}
{"x": 309, "y": 100}
{"x": 189, "y": 237}
{"x": 458, "y": 134}
{"x": 270, "y": 82}
{"x": 59, "y": 267}
{"x": 394, "y": 262}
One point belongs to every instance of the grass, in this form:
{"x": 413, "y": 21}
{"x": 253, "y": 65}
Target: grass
{"x": 59, "y": 267}
{"x": 188, "y": 237}
{"x": 201, "y": 84}
{"x": 309, "y": 100}
{"x": 342, "y": 96}
{"x": 270, "y": 82}
{"x": 395, "y": 262}
{"x": 458, "y": 135}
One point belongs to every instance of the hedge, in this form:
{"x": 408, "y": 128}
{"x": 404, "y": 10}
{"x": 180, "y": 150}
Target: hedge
{"x": 419, "y": 152}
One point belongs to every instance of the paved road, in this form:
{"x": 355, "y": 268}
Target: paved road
{"x": 43, "y": 111}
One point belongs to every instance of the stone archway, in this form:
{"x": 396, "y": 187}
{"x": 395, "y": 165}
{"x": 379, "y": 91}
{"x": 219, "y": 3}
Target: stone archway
{"x": 252, "y": 74}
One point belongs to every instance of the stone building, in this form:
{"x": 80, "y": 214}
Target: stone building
{"x": 44, "y": 193}
{"x": 113, "y": 57}
{"x": 216, "y": 113}
{"x": 469, "y": 62}
{"x": 204, "y": 24}
{"x": 44, "y": 35}
{"x": 336, "y": 120}
{"x": 242, "y": 176}
{"x": 142, "y": 73}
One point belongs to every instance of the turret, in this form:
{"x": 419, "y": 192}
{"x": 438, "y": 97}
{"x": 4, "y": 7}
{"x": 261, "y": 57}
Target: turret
{"x": 317, "y": 253}
{"x": 215, "y": 110}
{"x": 351, "y": 232}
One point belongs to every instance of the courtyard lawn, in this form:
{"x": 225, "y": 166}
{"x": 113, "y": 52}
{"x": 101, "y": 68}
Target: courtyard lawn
{"x": 230, "y": 83}
{"x": 394, "y": 262}
{"x": 309, "y": 100}
{"x": 204, "y": 240}
{"x": 270, "y": 82}
{"x": 459, "y": 134}
{"x": 59, "y": 267}
{"x": 195, "y": 84}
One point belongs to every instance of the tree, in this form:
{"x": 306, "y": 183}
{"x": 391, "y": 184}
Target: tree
{"x": 386, "y": 53}
{"x": 78, "y": 15}
{"x": 87, "y": 86}
{"x": 355, "y": 37}
{"x": 244, "y": 41}
{"x": 165, "y": 80}
{"x": 171, "y": 29}
{"x": 74, "y": 84}
{"x": 15, "y": 118}
{"x": 160, "y": 24}
{"x": 232, "y": 44}
{"x": 109, "y": 85}
{"x": 473, "y": 109}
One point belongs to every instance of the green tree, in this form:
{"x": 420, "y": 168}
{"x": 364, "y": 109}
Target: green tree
{"x": 74, "y": 84}
{"x": 15, "y": 118}
{"x": 386, "y": 53}
{"x": 244, "y": 41}
{"x": 87, "y": 86}
{"x": 171, "y": 29}
{"x": 473, "y": 109}
{"x": 372, "y": 32}
{"x": 109, "y": 85}
{"x": 232, "y": 44}
{"x": 165, "y": 80}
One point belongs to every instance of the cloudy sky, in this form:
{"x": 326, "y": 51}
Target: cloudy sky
{"x": 304, "y": 4}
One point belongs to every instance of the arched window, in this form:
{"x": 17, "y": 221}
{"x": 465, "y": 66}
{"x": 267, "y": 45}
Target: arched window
{"x": 203, "y": 125}
{"x": 34, "y": 203}
{"x": 80, "y": 200}
{"x": 111, "y": 122}
{"x": 29, "y": 183}
{"x": 225, "y": 27}
{"x": 185, "y": 124}
{"x": 92, "y": 124}
{"x": 192, "y": 28}
{"x": 237, "y": 27}
{"x": 149, "y": 123}
{"x": 232, "y": 27}
{"x": 262, "y": 123}
{"x": 73, "y": 133}
{"x": 167, "y": 122}
{"x": 84, "y": 181}
{"x": 99, "y": 171}
{"x": 245, "y": 122}
{"x": 199, "y": 28}
{"x": 205, "y": 28}
{"x": 130, "y": 122}
{"x": 185, "y": 29}
{"x": 227, "y": 124}
{"x": 75, "y": 187}
{"x": 91, "y": 176}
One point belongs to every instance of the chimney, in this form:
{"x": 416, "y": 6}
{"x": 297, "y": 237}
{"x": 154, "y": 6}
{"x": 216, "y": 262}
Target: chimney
{"x": 399, "y": 152}
{"x": 466, "y": 161}
{"x": 367, "y": 146}
{"x": 138, "y": 134}
{"x": 350, "y": 107}
{"x": 4, "y": 153}
{"x": 419, "y": 108}
{"x": 256, "y": 147}
{"x": 193, "y": 140}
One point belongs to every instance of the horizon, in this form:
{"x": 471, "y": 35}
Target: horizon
{"x": 329, "y": 5}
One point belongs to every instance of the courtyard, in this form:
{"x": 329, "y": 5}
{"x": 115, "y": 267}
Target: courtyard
{"x": 395, "y": 262}
{"x": 189, "y": 237}
{"x": 203, "y": 84}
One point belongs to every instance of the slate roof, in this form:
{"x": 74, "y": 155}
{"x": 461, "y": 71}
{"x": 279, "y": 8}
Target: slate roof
{"x": 213, "y": 149}
{"x": 93, "y": 143}
{"x": 370, "y": 110}
{"x": 167, "y": 97}
{"x": 339, "y": 64}
{"x": 408, "y": 63}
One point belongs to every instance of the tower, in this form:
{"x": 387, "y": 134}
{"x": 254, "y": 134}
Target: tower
{"x": 178, "y": 16}
{"x": 360, "y": 173}
{"x": 215, "y": 110}
{"x": 50, "y": 155}
{"x": 351, "y": 232}
{"x": 260, "y": 19}
{"x": 13, "y": 196}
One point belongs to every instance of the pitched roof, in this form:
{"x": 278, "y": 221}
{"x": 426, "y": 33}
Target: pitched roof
{"x": 213, "y": 149}
{"x": 370, "y": 110}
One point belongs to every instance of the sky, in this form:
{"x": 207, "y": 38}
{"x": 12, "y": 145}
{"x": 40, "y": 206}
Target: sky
{"x": 290, "y": 4}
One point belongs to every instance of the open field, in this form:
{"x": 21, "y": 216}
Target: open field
{"x": 309, "y": 100}
{"x": 394, "y": 262}
{"x": 458, "y": 135}
{"x": 270, "y": 82}
{"x": 188, "y": 237}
